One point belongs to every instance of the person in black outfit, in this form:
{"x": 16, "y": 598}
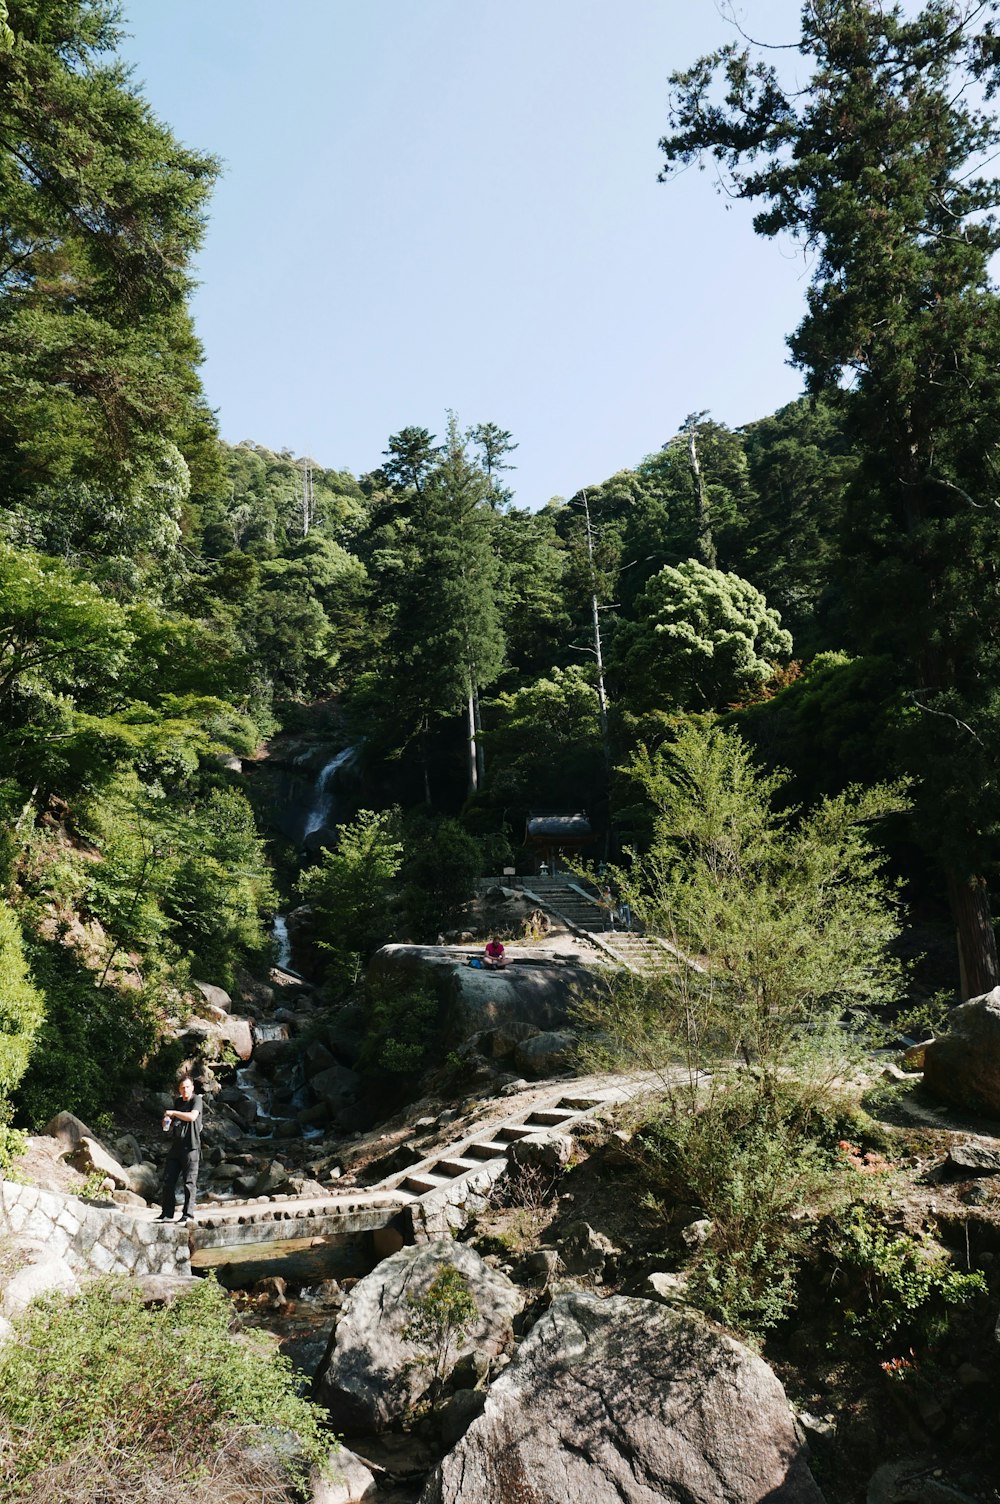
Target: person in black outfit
{"x": 183, "y": 1123}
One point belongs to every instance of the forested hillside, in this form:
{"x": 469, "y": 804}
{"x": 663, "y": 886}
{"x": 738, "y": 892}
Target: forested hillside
{"x": 821, "y": 579}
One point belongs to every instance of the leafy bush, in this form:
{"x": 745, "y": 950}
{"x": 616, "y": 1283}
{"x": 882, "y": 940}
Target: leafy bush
{"x": 403, "y": 1030}
{"x": 440, "y": 1317}
{"x": 891, "y": 1285}
{"x": 350, "y": 888}
{"x": 21, "y": 1004}
{"x": 119, "y": 1389}
{"x": 748, "y": 1170}
{"x": 442, "y": 862}
{"x": 91, "y": 1044}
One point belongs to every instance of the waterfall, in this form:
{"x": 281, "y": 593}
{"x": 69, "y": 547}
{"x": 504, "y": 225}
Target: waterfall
{"x": 322, "y": 804}
{"x": 279, "y": 932}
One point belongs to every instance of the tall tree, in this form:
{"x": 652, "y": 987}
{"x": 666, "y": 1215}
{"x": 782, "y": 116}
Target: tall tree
{"x": 878, "y": 164}
{"x": 101, "y": 212}
{"x": 445, "y": 641}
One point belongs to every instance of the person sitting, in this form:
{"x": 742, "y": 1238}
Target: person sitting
{"x": 494, "y": 956}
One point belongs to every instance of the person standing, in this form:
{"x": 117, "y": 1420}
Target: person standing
{"x": 183, "y": 1123}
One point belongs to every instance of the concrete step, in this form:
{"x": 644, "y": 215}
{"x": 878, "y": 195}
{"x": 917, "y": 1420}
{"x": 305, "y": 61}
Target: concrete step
{"x": 455, "y": 1167}
{"x": 548, "y": 1117}
{"x": 512, "y": 1134}
{"x": 486, "y": 1151}
{"x": 424, "y": 1182}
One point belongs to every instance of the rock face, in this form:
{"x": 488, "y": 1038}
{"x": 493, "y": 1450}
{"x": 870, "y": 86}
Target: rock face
{"x": 627, "y": 1402}
{"x": 529, "y": 990}
{"x": 962, "y": 1067}
{"x": 373, "y": 1374}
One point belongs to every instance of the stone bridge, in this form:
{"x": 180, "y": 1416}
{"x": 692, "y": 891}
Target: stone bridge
{"x": 432, "y": 1198}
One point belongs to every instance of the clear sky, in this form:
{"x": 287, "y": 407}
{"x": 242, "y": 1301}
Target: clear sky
{"x": 433, "y": 204}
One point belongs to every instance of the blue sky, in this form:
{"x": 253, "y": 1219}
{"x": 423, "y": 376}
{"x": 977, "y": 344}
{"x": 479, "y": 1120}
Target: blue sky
{"x": 432, "y": 204}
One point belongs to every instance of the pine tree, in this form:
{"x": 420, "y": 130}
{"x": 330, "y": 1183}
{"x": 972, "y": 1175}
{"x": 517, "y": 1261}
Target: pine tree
{"x": 876, "y": 165}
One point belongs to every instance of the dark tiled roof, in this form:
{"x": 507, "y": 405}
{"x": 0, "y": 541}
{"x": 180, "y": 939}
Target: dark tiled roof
{"x": 575, "y": 827}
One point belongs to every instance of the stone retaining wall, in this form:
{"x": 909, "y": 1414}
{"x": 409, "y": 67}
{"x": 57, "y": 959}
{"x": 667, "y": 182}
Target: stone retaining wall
{"x": 91, "y": 1240}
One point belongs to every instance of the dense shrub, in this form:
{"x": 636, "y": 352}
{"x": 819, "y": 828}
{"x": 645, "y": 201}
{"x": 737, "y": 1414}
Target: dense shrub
{"x": 123, "y": 1394}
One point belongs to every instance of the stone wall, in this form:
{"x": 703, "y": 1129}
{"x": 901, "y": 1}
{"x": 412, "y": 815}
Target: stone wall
{"x": 90, "y": 1239}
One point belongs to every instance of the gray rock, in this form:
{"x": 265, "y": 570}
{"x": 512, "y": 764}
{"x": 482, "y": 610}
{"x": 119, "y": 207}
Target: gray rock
{"x": 541, "y": 1263}
{"x": 543, "y": 1152}
{"x": 39, "y": 1271}
{"x": 457, "y": 1414}
{"x": 69, "y": 1130}
{"x": 697, "y": 1233}
{"x": 374, "y": 1375}
{"x": 962, "y": 1067}
{"x": 336, "y": 1085}
{"x": 164, "y": 1289}
{"x": 627, "y": 1402}
{"x": 913, "y": 1482}
{"x": 348, "y": 1481}
{"x": 217, "y": 997}
{"x": 546, "y": 1054}
{"x": 531, "y": 990}
{"x": 126, "y": 1150}
{"x": 670, "y": 1288}
{"x": 978, "y": 1159}
{"x": 585, "y": 1251}
{"x": 209, "y": 1039}
{"x": 144, "y": 1180}
{"x": 91, "y": 1158}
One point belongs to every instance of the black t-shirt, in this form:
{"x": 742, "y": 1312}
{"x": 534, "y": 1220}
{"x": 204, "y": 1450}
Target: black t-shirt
{"x": 186, "y": 1136}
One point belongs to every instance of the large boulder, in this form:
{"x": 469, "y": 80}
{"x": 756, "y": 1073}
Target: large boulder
{"x": 209, "y": 1038}
{"x": 626, "y": 1402}
{"x": 962, "y": 1067}
{"x": 67, "y": 1129}
{"x": 38, "y": 1270}
{"x": 373, "y": 1375}
{"x": 91, "y": 1158}
{"x": 532, "y": 989}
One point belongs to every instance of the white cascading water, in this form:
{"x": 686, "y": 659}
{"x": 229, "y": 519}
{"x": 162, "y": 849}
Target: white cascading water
{"x": 323, "y": 799}
{"x": 317, "y": 816}
{"x": 279, "y": 934}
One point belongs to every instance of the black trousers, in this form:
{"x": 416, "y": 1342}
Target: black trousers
{"x": 182, "y": 1165}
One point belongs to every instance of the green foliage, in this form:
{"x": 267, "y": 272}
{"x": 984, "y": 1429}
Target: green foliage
{"x": 402, "y": 1032}
{"x": 891, "y": 1286}
{"x": 103, "y": 212}
{"x": 22, "y": 1006}
{"x": 91, "y": 1044}
{"x": 748, "y": 1167}
{"x": 152, "y": 1389}
{"x": 784, "y": 917}
{"x": 702, "y": 639}
{"x": 544, "y": 741}
{"x": 349, "y": 890}
{"x": 441, "y": 1317}
{"x": 438, "y": 874}
{"x": 878, "y": 161}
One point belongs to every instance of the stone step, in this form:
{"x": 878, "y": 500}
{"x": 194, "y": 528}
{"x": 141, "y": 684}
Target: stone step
{"x": 424, "y": 1182}
{"x": 511, "y": 1134}
{"x": 577, "y": 1104}
{"x": 455, "y": 1167}
{"x": 486, "y": 1151}
{"x": 548, "y": 1117}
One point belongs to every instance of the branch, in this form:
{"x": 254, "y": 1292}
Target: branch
{"x": 947, "y": 715}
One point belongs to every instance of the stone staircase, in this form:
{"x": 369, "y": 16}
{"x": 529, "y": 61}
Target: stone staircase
{"x": 579, "y": 907}
{"x": 435, "y": 1195}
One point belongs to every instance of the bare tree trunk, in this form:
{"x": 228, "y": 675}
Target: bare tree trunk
{"x": 424, "y": 764}
{"x": 478, "y": 722}
{"x": 979, "y": 970}
{"x": 472, "y": 765}
{"x": 706, "y": 543}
